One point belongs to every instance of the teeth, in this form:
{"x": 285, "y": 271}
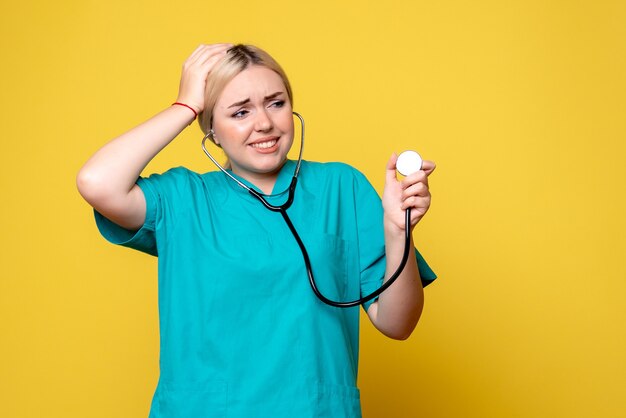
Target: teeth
{"x": 264, "y": 145}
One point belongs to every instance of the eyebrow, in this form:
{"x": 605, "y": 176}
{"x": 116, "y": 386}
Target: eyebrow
{"x": 244, "y": 101}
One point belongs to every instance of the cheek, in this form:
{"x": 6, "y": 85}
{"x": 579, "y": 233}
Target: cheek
{"x": 232, "y": 131}
{"x": 240, "y": 130}
{"x": 287, "y": 123}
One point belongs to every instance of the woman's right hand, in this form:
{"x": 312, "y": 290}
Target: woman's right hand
{"x": 195, "y": 71}
{"x": 107, "y": 180}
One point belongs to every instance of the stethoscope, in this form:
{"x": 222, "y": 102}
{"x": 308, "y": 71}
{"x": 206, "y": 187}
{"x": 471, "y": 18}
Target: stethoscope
{"x": 408, "y": 162}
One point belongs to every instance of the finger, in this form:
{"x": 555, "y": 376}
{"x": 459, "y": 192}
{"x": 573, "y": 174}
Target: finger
{"x": 196, "y": 52}
{"x": 202, "y": 48}
{"x": 203, "y": 52}
{"x": 417, "y": 189}
{"x": 428, "y": 167}
{"x": 391, "y": 169}
{"x": 203, "y": 64}
{"x": 417, "y": 177}
{"x": 417, "y": 215}
{"x": 207, "y": 65}
{"x": 210, "y": 51}
{"x": 421, "y": 203}
{"x": 216, "y": 49}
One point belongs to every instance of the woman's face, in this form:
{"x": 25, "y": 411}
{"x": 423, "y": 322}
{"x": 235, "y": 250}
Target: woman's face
{"x": 253, "y": 123}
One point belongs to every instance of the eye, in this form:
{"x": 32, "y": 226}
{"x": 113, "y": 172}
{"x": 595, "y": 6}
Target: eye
{"x": 278, "y": 103}
{"x": 240, "y": 114}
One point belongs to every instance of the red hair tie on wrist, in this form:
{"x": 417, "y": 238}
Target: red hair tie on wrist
{"x": 195, "y": 114}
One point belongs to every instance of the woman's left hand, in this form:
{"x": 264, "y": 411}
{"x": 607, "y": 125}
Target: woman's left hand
{"x": 409, "y": 192}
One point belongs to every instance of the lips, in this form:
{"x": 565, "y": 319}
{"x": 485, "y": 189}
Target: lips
{"x": 265, "y": 145}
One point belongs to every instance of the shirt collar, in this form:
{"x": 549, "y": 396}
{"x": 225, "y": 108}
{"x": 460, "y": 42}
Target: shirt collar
{"x": 281, "y": 187}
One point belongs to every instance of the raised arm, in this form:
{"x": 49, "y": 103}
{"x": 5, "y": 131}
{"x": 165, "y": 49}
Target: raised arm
{"x": 107, "y": 180}
{"x": 398, "y": 309}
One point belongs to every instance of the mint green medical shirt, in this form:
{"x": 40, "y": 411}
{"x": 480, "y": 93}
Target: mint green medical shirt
{"x": 242, "y": 334}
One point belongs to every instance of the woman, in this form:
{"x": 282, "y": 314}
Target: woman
{"x": 242, "y": 334}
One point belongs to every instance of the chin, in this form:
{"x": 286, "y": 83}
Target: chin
{"x": 270, "y": 168}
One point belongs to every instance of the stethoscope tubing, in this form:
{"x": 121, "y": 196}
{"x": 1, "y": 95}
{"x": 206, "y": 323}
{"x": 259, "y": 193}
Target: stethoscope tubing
{"x": 381, "y": 289}
{"x": 282, "y": 209}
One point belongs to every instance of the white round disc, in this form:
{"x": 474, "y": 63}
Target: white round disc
{"x": 409, "y": 162}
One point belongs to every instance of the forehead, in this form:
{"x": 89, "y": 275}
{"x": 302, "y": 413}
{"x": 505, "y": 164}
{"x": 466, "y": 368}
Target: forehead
{"x": 255, "y": 82}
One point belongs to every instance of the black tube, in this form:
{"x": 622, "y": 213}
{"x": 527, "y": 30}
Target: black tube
{"x": 381, "y": 289}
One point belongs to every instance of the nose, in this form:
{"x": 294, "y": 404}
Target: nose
{"x": 263, "y": 122}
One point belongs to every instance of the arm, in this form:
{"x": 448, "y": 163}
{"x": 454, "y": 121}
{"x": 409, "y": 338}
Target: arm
{"x": 398, "y": 309}
{"x": 107, "y": 180}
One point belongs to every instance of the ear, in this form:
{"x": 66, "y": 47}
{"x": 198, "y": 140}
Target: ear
{"x": 215, "y": 140}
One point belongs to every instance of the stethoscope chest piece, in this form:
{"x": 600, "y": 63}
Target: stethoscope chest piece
{"x": 409, "y": 162}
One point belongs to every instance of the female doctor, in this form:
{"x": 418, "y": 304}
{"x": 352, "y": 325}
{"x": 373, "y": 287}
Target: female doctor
{"x": 241, "y": 332}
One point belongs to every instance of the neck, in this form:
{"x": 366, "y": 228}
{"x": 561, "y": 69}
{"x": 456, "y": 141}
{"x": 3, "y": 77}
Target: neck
{"x": 263, "y": 181}
{"x": 265, "y": 184}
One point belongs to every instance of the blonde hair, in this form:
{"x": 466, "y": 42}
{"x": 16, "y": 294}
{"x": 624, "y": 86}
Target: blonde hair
{"x": 237, "y": 59}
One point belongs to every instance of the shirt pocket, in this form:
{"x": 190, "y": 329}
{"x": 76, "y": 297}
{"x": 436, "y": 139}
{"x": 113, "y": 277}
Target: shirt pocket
{"x": 338, "y": 401}
{"x": 330, "y": 257}
{"x": 208, "y": 400}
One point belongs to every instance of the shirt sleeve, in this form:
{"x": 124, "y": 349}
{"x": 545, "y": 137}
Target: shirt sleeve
{"x": 371, "y": 240}
{"x": 143, "y": 239}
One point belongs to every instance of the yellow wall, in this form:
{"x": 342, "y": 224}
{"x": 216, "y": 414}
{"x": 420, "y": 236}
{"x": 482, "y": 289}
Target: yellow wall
{"x": 521, "y": 103}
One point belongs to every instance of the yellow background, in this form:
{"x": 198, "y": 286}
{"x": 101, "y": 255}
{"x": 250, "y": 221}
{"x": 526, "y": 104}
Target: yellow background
{"x": 521, "y": 104}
